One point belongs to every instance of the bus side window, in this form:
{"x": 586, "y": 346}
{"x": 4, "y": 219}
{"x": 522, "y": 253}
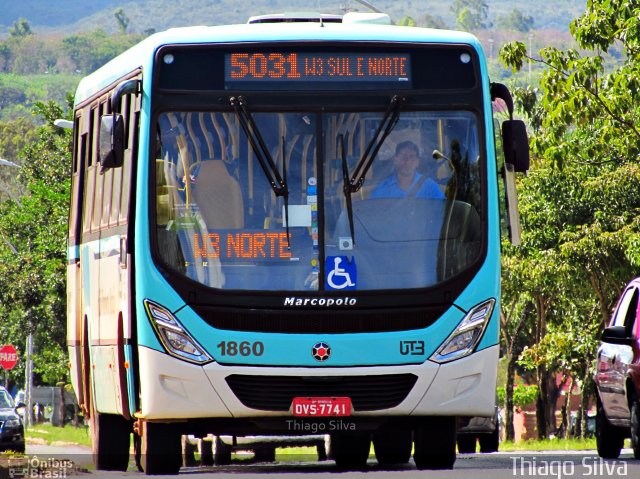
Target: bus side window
{"x": 89, "y": 170}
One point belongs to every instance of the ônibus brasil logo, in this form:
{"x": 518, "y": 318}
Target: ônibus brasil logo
{"x": 321, "y": 351}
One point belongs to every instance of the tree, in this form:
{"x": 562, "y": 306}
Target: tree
{"x": 20, "y": 29}
{"x": 407, "y": 22}
{"x": 33, "y": 255}
{"x": 515, "y": 319}
{"x": 122, "y": 19}
{"x": 586, "y": 186}
{"x": 89, "y": 51}
{"x": 516, "y": 20}
{"x": 471, "y": 14}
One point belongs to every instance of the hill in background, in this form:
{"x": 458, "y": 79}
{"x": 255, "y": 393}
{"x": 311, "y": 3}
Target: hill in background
{"x": 69, "y": 16}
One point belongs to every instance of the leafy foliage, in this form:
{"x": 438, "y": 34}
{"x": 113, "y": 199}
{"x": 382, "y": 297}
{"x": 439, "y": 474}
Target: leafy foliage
{"x": 516, "y": 20}
{"x": 580, "y": 205}
{"x": 33, "y": 254}
{"x": 523, "y": 395}
{"x": 21, "y": 28}
{"x": 470, "y": 14}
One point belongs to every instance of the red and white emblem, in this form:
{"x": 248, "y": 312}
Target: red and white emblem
{"x": 321, "y": 351}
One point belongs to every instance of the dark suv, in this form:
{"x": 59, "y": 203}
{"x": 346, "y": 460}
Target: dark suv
{"x": 618, "y": 378}
{"x": 11, "y": 427}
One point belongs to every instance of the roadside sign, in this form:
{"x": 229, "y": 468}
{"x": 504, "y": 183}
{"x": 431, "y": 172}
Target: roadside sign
{"x": 8, "y": 356}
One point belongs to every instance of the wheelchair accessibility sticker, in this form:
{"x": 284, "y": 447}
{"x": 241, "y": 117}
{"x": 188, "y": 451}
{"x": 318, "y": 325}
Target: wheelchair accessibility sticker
{"x": 341, "y": 273}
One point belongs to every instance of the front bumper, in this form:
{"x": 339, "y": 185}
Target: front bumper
{"x": 175, "y": 389}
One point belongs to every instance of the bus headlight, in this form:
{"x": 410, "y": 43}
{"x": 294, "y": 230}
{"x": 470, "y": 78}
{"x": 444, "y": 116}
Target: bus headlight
{"x": 175, "y": 339}
{"x": 466, "y": 336}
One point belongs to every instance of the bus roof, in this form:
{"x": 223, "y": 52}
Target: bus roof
{"x": 141, "y": 55}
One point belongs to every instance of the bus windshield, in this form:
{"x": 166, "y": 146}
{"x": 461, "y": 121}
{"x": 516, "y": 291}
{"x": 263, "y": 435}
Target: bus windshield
{"x": 412, "y": 223}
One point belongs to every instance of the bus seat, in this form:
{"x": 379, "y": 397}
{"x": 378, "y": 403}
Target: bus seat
{"x": 219, "y": 196}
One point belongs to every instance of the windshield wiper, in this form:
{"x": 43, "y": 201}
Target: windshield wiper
{"x": 277, "y": 182}
{"x": 346, "y": 187}
{"x": 388, "y": 123}
{"x": 286, "y": 195}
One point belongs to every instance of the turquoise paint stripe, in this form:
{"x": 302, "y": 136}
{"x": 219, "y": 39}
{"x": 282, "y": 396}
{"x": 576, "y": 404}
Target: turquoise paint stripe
{"x": 128, "y": 356}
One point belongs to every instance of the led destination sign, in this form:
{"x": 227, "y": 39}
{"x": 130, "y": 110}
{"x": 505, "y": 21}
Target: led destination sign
{"x": 326, "y": 69}
{"x": 247, "y": 245}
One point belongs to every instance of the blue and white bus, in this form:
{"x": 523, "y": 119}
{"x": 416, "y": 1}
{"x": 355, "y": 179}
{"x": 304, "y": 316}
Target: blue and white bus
{"x": 288, "y": 226}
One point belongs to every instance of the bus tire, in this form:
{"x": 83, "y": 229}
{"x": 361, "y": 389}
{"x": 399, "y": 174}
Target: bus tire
{"x": 392, "y": 446}
{"x": 435, "y": 443}
{"x": 350, "y": 451}
{"x": 264, "y": 454}
{"x": 466, "y": 443}
{"x": 609, "y": 438}
{"x": 161, "y": 449}
{"x": 110, "y": 439}
{"x": 221, "y": 452}
{"x": 189, "y": 448}
{"x": 206, "y": 451}
{"x": 490, "y": 442}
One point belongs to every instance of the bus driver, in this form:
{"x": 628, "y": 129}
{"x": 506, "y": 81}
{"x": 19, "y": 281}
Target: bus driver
{"x": 406, "y": 181}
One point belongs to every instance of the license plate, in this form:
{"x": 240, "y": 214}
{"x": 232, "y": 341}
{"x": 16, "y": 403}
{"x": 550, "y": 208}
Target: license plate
{"x": 321, "y": 406}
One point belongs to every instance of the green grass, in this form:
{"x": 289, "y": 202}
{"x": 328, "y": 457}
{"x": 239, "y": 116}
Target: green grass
{"x": 549, "y": 445}
{"x": 48, "y": 434}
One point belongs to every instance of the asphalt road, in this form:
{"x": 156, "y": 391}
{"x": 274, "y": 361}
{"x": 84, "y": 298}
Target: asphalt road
{"x": 553, "y": 464}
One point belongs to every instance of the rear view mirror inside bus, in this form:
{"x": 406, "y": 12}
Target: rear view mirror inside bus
{"x": 111, "y": 142}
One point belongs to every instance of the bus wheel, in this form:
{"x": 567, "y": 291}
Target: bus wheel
{"x": 466, "y": 443}
{"x": 435, "y": 442}
{"x": 161, "y": 449}
{"x": 111, "y": 438}
{"x": 350, "y": 451}
{"x": 189, "y": 448}
{"x": 221, "y": 452}
{"x": 392, "y": 446}
{"x": 206, "y": 451}
{"x": 490, "y": 442}
{"x": 264, "y": 454}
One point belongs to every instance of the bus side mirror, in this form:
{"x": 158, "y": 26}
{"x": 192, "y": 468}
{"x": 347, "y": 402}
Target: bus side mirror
{"x": 111, "y": 140}
{"x": 516, "y": 145}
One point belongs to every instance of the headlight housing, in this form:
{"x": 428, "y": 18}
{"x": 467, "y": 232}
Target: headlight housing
{"x": 175, "y": 339}
{"x": 467, "y": 334}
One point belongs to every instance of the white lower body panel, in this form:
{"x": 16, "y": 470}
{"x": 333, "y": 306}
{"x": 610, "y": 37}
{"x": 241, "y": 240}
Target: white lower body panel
{"x": 175, "y": 389}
